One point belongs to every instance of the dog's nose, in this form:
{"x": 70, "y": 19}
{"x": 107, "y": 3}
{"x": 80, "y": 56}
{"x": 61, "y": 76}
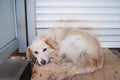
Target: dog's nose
{"x": 43, "y": 62}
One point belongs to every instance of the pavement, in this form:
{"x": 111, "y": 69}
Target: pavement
{"x": 15, "y": 70}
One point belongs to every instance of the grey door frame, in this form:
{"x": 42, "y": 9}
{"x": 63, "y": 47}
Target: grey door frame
{"x": 25, "y": 12}
{"x": 31, "y": 20}
{"x": 21, "y": 25}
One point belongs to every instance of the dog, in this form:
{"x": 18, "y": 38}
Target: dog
{"x": 73, "y": 46}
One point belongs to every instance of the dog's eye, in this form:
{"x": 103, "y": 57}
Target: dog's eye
{"x": 36, "y": 52}
{"x": 44, "y": 49}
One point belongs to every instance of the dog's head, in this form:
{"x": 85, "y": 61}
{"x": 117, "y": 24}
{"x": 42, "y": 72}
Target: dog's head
{"x": 41, "y": 49}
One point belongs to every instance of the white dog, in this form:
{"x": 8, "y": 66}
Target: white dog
{"x": 81, "y": 48}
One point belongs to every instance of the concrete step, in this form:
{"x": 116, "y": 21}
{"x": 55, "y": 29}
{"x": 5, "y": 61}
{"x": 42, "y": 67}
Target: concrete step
{"x": 15, "y": 70}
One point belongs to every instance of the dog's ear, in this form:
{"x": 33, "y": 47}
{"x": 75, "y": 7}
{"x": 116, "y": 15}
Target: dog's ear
{"x": 28, "y": 53}
{"x": 51, "y": 43}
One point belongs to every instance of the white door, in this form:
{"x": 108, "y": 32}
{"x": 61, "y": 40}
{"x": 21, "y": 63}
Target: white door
{"x": 8, "y": 40}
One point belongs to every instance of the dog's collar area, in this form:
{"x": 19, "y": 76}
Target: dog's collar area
{"x": 35, "y": 63}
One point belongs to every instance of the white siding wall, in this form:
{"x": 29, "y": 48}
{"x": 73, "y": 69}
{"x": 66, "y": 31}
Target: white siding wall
{"x": 100, "y": 17}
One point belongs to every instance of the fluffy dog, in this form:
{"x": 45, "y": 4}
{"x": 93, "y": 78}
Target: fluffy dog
{"x": 80, "y": 50}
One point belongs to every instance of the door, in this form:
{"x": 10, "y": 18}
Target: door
{"x": 8, "y": 40}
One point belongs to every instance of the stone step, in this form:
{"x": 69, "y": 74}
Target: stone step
{"x": 15, "y": 70}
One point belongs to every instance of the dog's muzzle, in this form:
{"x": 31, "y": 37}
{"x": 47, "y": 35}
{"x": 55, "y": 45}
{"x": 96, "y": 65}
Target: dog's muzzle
{"x": 43, "y": 62}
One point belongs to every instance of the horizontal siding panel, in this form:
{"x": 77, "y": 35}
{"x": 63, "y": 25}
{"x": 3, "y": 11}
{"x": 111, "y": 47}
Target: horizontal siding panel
{"x": 84, "y": 24}
{"x": 110, "y": 44}
{"x": 104, "y": 32}
{"x": 40, "y": 31}
{"x": 77, "y": 18}
{"x": 109, "y": 38}
{"x": 93, "y": 3}
{"x": 76, "y": 10}
{"x": 100, "y": 32}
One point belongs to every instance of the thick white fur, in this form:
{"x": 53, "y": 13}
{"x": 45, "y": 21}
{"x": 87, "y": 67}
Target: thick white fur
{"x": 78, "y": 48}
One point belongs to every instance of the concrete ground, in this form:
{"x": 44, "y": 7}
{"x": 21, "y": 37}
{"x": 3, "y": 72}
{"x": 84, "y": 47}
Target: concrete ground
{"x": 15, "y": 70}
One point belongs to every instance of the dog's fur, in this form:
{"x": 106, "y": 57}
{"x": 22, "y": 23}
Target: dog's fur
{"x": 78, "y": 51}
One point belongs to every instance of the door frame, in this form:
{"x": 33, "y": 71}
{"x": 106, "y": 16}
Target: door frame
{"x": 31, "y": 20}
